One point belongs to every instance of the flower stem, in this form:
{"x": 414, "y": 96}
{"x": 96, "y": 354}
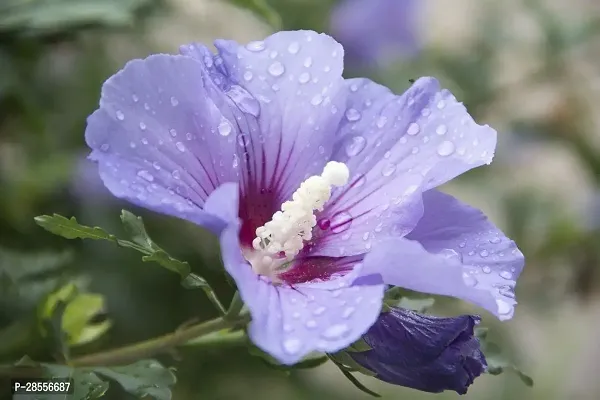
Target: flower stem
{"x": 149, "y": 348}
{"x": 235, "y": 307}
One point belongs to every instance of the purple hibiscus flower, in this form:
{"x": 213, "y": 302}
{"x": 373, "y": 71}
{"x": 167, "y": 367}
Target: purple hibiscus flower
{"x": 376, "y": 31}
{"x": 301, "y": 173}
{"x": 422, "y": 352}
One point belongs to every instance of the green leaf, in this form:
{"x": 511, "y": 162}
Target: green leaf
{"x": 496, "y": 360}
{"x": 312, "y": 360}
{"x": 342, "y": 358}
{"x": 355, "y": 381}
{"x": 161, "y": 257}
{"x": 70, "y": 314}
{"x": 144, "y": 378}
{"x": 418, "y": 305}
{"x": 39, "y": 17}
{"x": 397, "y": 297}
{"x": 136, "y": 229}
{"x": 262, "y": 9}
{"x": 86, "y": 383}
{"x": 71, "y": 229}
{"x": 359, "y": 346}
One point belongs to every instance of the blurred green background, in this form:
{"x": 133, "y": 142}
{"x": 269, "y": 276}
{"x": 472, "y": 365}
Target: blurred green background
{"x": 529, "y": 68}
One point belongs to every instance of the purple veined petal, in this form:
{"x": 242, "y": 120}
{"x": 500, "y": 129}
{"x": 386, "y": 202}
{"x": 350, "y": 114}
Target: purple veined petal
{"x": 423, "y": 352}
{"x": 396, "y": 147}
{"x": 455, "y": 251}
{"x": 376, "y": 31}
{"x": 157, "y": 136}
{"x": 297, "y": 79}
{"x": 289, "y": 322}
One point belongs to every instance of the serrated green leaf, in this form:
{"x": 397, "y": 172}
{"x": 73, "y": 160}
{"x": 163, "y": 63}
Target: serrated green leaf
{"x": 71, "y": 229}
{"x": 262, "y": 9}
{"x": 134, "y": 225}
{"x": 161, "y": 257}
{"x": 143, "y": 378}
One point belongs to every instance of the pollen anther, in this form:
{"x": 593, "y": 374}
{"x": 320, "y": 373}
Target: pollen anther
{"x": 289, "y": 228}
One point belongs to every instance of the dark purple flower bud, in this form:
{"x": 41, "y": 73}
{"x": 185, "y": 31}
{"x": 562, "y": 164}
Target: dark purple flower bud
{"x": 423, "y": 352}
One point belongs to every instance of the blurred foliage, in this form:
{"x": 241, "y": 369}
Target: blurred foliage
{"x": 60, "y": 299}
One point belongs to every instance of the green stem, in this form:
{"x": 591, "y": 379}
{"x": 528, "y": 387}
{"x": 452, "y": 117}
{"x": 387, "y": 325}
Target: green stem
{"x": 219, "y": 339}
{"x": 235, "y": 307}
{"x": 212, "y": 296}
{"x": 152, "y": 347}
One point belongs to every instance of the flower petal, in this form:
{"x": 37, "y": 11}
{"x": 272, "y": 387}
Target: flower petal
{"x": 289, "y": 322}
{"x": 297, "y": 77}
{"x": 376, "y": 31}
{"x": 423, "y": 352}
{"x": 155, "y": 135}
{"x": 455, "y": 251}
{"x": 396, "y": 147}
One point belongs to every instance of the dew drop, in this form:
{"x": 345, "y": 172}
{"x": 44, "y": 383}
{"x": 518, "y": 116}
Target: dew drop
{"x": 486, "y": 270}
{"x": 135, "y": 98}
{"x": 174, "y": 101}
{"x": 156, "y": 166}
{"x": 180, "y": 146}
{"x": 425, "y": 112}
{"x": 388, "y": 169}
{"x": 315, "y": 101}
{"x": 341, "y": 222}
{"x": 145, "y": 175}
{"x": 352, "y": 114}
{"x": 413, "y": 129}
{"x": 287, "y": 328}
{"x": 503, "y": 307}
{"x": 294, "y": 48}
{"x": 304, "y": 77}
{"x": 495, "y": 240}
{"x": 381, "y": 121}
{"x": 224, "y": 128}
{"x": 319, "y": 310}
{"x": 311, "y": 324}
{"x": 173, "y": 132}
{"x": 248, "y": 75}
{"x": 292, "y": 345}
{"x": 308, "y": 62}
{"x": 175, "y": 174}
{"x": 105, "y": 147}
{"x": 355, "y": 146}
{"x": 244, "y": 100}
{"x": 142, "y": 126}
{"x": 336, "y": 331}
{"x": 120, "y": 115}
{"x": 276, "y": 69}
{"x": 506, "y": 275}
{"x": 469, "y": 280}
{"x": 189, "y": 136}
{"x": 484, "y": 253}
{"x": 256, "y": 46}
{"x": 445, "y": 148}
{"x": 441, "y": 104}
{"x": 441, "y": 130}
{"x": 146, "y": 106}
{"x": 348, "y": 312}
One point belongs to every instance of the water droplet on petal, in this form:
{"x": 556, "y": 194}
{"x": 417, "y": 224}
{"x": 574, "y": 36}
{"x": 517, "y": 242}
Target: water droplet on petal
{"x": 336, "y": 331}
{"x": 388, "y": 169}
{"x": 256, "y": 46}
{"x": 244, "y": 100}
{"x": 156, "y": 166}
{"x": 484, "y": 253}
{"x": 355, "y": 146}
{"x": 381, "y": 121}
{"x": 276, "y": 69}
{"x": 311, "y": 324}
{"x": 175, "y": 174}
{"x": 304, "y": 77}
{"x": 495, "y": 240}
{"x": 469, "y": 280}
{"x": 341, "y": 222}
{"x": 319, "y": 310}
{"x": 441, "y": 104}
{"x": 248, "y": 75}
{"x": 294, "y": 47}
{"x": 445, "y": 148}
{"x": 506, "y": 275}
{"x": 348, "y": 312}
{"x": 173, "y": 132}
{"x": 292, "y": 345}
{"x": 352, "y": 114}
{"x": 308, "y": 62}
{"x": 413, "y": 129}
{"x": 425, "y": 112}
{"x": 105, "y": 147}
{"x": 441, "y": 130}
{"x": 174, "y": 101}
{"x": 486, "y": 270}
{"x": 135, "y": 98}
{"x": 145, "y": 175}
{"x": 224, "y": 128}
{"x": 503, "y": 307}
{"x": 180, "y": 146}
{"x": 316, "y": 100}
{"x": 142, "y": 126}
{"x": 120, "y": 115}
